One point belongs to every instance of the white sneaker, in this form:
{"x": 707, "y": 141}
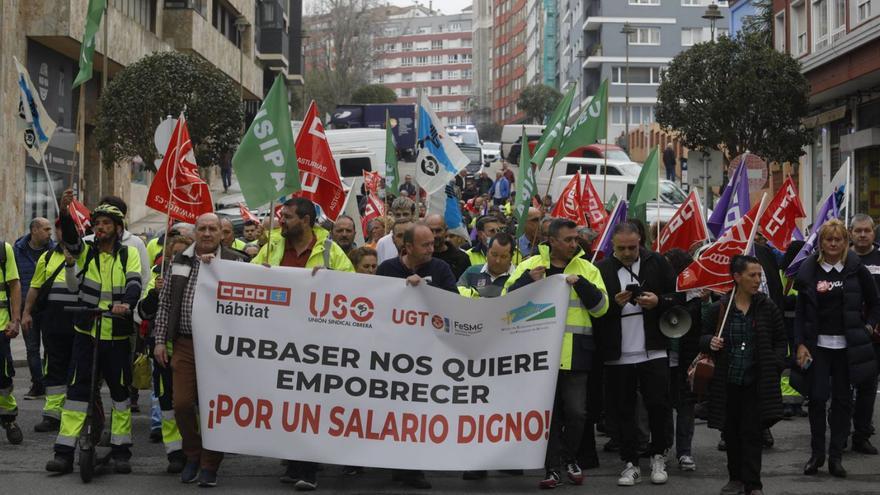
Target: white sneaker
{"x": 686, "y": 463}
{"x": 630, "y": 475}
{"x": 658, "y": 469}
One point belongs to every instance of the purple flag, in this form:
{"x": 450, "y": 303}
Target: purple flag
{"x": 797, "y": 235}
{"x": 617, "y": 216}
{"x": 827, "y": 212}
{"x": 734, "y": 202}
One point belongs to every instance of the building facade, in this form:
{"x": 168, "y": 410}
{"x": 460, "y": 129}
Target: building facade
{"x": 518, "y": 55}
{"x": 838, "y": 45}
{"x": 482, "y": 61}
{"x": 662, "y": 29}
{"x": 47, "y": 41}
{"x": 417, "y": 48}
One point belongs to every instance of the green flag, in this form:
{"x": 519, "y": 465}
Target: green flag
{"x": 609, "y": 205}
{"x": 265, "y": 162}
{"x": 553, "y": 131}
{"x": 646, "y": 186}
{"x": 526, "y": 188}
{"x": 590, "y": 126}
{"x": 87, "y": 49}
{"x": 392, "y": 174}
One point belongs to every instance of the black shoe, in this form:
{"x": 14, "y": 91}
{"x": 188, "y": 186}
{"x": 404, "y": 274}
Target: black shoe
{"x": 48, "y": 425}
{"x": 474, "y": 475}
{"x": 155, "y": 435}
{"x": 767, "y": 439}
{"x": 207, "y": 478}
{"x": 812, "y": 466}
{"x": 416, "y": 479}
{"x": 61, "y": 464}
{"x": 864, "y": 447}
{"x": 190, "y": 472}
{"x": 352, "y": 470}
{"x": 13, "y": 432}
{"x": 835, "y": 467}
{"x": 121, "y": 466}
{"x": 291, "y": 474}
{"x": 35, "y": 392}
{"x": 722, "y": 445}
{"x": 611, "y": 446}
{"x": 176, "y": 462}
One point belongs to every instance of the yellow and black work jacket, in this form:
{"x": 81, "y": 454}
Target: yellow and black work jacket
{"x": 587, "y": 299}
{"x": 50, "y": 262}
{"x": 102, "y": 280}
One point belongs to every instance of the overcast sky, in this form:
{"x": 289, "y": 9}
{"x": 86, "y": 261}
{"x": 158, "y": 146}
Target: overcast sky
{"x": 445, "y": 6}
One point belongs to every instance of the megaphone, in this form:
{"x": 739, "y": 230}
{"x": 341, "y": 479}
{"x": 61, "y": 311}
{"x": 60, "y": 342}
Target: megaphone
{"x": 675, "y": 322}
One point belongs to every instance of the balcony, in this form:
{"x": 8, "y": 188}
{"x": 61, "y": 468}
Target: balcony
{"x": 273, "y": 47}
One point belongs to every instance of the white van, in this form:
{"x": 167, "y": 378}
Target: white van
{"x": 512, "y": 134}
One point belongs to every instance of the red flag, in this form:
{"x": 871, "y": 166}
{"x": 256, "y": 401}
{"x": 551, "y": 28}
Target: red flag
{"x": 177, "y": 187}
{"x": 318, "y": 174}
{"x": 374, "y": 208}
{"x": 246, "y": 214}
{"x": 778, "y": 222}
{"x": 712, "y": 268}
{"x": 569, "y": 203}
{"x": 371, "y": 181}
{"x": 81, "y": 215}
{"x": 592, "y": 206}
{"x": 685, "y": 228}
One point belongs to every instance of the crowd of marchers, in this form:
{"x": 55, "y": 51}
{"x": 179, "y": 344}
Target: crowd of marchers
{"x": 777, "y": 344}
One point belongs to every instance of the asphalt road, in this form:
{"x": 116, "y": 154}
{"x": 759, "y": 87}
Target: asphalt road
{"x": 22, "y": 469}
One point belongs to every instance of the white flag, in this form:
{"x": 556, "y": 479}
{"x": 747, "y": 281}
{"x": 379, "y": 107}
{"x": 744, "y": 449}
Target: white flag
{"x": 38, "y": 126}
{"x": 439, "y": 158}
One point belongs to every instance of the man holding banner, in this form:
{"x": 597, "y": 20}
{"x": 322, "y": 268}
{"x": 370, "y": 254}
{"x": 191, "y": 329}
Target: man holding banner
{"x": 588, "y": 299}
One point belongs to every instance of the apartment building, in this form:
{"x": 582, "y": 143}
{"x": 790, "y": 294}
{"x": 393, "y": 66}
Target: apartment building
{"x": 838, "y": 45}
{"x": 418, "y": 49}
{"x": 592, "y": 48}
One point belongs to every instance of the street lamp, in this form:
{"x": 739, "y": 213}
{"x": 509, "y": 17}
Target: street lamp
{"x": 627, "y": 30}
{"x": 241, "y": 24}
{"x": 712, "y": 14}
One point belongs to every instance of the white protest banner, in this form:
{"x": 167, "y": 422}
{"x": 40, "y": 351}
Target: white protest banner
{"x": 353, "y": 369}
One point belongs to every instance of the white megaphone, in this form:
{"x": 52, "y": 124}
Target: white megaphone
{"x": 675, "y": 322}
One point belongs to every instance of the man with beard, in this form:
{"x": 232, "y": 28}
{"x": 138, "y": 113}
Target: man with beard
{"x": 457, "y": 259}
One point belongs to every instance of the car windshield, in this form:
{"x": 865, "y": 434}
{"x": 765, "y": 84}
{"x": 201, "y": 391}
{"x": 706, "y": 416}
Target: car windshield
{"x": 464, "y": 137}
{"x": 671, "y": 193}
{"x": 618, "y": 155}
{"x": 633, "y": 169}
{"x": 473, "y": 154}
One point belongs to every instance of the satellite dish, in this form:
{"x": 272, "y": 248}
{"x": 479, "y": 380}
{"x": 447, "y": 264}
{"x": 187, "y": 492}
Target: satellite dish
{"x": 675, "y": 322}
{"x": 162, "y": 136}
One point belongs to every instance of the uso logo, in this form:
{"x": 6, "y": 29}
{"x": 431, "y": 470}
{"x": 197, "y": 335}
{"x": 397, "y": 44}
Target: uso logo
{"x": 250, "y": 293}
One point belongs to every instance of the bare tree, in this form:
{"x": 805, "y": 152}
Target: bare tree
{"x": 344, "y": 30}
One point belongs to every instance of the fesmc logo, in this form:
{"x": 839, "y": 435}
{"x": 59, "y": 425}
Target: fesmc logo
{"x": 249, "y": 299}
{"x": 355, "y": 313}
{"x": 531, "y": 312}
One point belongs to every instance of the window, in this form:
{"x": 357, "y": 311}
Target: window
{"x": 406, "y": 46}
{"x": 637, "y": 75}
{"x": 436, "y": 44}
{"x": 424, "y": 30}
{"x": 223, "y": 20}
{"x": 141, "y": 11}
{"x": 405, "y": 92}
{"x": 436, "y": 60}
{"x": 455, "y": 27}
{"x": 799, "y": 28}
{"x": 691, "y": 36}
{"x": 820, "y": 24}
{"x": 406, "y": 61}
{"x": 644, "y": 2}
{"x": 452, "y": 74}
{"x": 466, "y": 73}
{"x": 406, "y": 77}
{"x": 436, "y": 90}
{"x": 779, "y": 32}
{"x": 452, "y": 59}
{"x": 437, "y": 106}
{"x": 391, "y": 47}
{"x": 702, "y": 3}
{"x": 421, "y": 60}
{"x": 436, "y": 75}
{"x": 863, "y": 10}
{"x": 645, "y": 36}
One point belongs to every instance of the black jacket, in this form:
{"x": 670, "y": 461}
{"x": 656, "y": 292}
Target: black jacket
{"x": 861, "y": 306}
{"x": 657, "y": 276}
{"x": 769, "y": 359}
{"x": 771, "y": 271}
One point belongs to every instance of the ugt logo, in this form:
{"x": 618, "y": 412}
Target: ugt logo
{"x": 360, "y": 309}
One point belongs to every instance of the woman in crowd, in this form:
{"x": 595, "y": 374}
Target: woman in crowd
{"x": 364, "y": 259}
{"x": 744, "y": 394}
{"x": 837, "y": 309}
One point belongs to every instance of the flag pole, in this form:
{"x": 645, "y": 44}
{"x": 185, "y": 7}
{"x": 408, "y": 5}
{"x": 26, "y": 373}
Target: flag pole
{"x": 658, "y": 196}
{"x": 49, "y": 180}
{"x": 269, "y": 233}
{"x": 80, "y": 139}
{"x": 605, "y": 166}
{"x": 104, "y": 77}
{"x": 847, "y": 192}
{"x": 171, "y": 191}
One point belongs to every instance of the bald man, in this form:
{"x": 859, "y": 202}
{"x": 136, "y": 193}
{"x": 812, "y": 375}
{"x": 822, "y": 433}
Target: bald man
{"x": 457, "y": 259}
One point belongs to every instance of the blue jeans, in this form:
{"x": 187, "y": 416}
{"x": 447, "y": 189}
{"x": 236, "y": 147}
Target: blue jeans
{"x": 670, "y": 173}
{"x": 226, "y": 175}
{"x": 32, "y": 341}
